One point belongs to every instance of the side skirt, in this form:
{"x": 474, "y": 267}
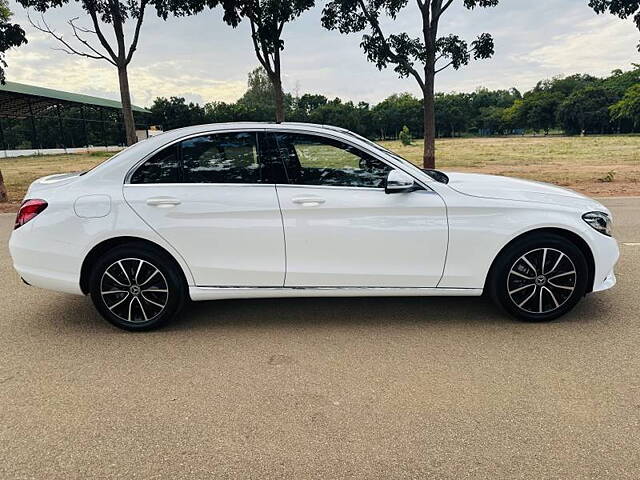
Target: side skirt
{"x": 219, "y": 293}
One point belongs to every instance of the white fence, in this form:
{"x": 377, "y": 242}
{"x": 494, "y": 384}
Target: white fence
{"x": 56, "y": 151}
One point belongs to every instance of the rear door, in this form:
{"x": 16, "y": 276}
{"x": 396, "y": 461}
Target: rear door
{"x": 343, "y": 230}
{"x": 213, "y": 200}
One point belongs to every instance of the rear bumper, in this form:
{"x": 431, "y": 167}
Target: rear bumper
{"x": 45, "y": 263}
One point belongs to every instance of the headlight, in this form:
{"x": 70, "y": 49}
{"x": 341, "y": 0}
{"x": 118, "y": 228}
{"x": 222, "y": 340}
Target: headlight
{"x": 600, "y": 221}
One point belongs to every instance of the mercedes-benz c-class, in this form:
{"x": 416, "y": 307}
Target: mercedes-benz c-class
{"x": 245, "y": 210}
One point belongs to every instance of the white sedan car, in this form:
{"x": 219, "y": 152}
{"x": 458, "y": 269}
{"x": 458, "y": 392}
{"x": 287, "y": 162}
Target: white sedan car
{"x": 245, "y": 210}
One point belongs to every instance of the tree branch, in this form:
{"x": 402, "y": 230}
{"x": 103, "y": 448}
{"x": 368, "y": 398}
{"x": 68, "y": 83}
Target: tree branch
{"x": 263, "y": 59}
{"x": 394, "y": 57}
{"x": 469, "y": 51}
{"x": 445, "y": 67}
{"x": 136, "y": 35}
{"x": 117, "y": 22}
{"x": 69, "y": 49}
{"x": 103, "y": 41}
{"x": 77, "y": 29}
{"x": 445, "y": 7}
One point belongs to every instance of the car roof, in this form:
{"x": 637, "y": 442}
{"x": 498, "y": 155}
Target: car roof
{"x": 208, "y": 127}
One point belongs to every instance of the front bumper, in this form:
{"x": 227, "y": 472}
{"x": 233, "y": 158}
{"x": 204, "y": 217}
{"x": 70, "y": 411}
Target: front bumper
{"x": 608, "y": 282}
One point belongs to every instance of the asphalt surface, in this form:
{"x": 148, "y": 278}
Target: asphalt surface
{"x": 323, "y": 388}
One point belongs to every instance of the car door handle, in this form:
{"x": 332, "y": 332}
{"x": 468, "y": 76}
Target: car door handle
{"x": 308, "y": 201}
{"x": 163, "y": 202}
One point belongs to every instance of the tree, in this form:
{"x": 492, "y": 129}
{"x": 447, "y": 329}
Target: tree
{"x": 343, "y": 114}
{"x": 104, "y": 15}
{"x": 306, "y": 104}
{"x": 453, "y": 112}
{"x": 405, "y": 136}
{"x": 629, "y": 107}
{"x": 620, "y": 8}
{"x": 619, "y": 81}
{"x": 176, "y": 113}
{"x": 513, "y": 118}
{"x": 396, "y": 111}
{"x": 11, "y": 35}
{"x": 267, "y": 19}
{"x": 421, "y": 58}
{"x": 260, "y": 98}
{"x": 540, "y": 109}
{"x": 586, "y": 111}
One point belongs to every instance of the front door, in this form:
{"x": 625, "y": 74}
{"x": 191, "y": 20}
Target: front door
{"x": 211, "y": 198}
{"x": 343, "y": 230}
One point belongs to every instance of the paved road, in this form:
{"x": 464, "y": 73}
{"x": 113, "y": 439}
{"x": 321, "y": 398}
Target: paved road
{"x": 323, "y": 388}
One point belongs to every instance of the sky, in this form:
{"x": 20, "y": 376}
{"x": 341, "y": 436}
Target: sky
{"x": 202, "y": 59}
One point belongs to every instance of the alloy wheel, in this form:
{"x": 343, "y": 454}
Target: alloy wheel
{"x": 134, "y": 290}
{"x": 541, "y": 281}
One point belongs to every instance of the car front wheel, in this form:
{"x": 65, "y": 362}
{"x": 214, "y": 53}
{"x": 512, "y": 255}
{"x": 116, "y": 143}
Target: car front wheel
{"x": 540, "y": 278}
{"x": 136, "y": 287}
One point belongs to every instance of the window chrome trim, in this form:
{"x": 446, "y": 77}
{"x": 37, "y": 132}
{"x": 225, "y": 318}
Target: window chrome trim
{"x": 268, "y": 129}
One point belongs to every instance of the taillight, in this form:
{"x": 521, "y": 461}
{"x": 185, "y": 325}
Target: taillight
{"x": 29, "y": 210}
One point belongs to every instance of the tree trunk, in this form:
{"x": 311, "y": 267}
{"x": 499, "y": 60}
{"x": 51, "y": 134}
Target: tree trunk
{"x": 127, "y": 112}
{"x": 278, "y": 96}
{"x": 429, "y": 154}
{"x": 4, "y": 197}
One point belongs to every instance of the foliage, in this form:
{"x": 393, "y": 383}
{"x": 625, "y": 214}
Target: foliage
{"x": 419, "y": 57}
{"x": 103, "y": 40}
{"x": 609, "y": 177}
{"x": 396, "y": 111}
{"x": 621, "y": 8}
{"x": 559, "y": 103}
{"x": 405, "y": 136}
{"x": 586, "y": 110}
{"x": 267, "y": 19}
{"x": 175, "y": 113}
{"x": 452, "y": 113}
{"x": 628, "y": 107}
{"x": 11, "y": 35}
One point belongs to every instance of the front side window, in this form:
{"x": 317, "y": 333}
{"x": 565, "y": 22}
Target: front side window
{"x": 314, "y": 160}
{"x": 221, "y": 158}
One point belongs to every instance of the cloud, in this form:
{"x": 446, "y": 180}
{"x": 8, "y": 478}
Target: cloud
{"x": 596, "y": 46}
{"x": 203, "y": 59}
{"x": 47, "y": 68}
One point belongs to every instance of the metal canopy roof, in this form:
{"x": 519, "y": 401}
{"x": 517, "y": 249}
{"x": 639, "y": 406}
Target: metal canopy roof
{"x": 18, "y": 99}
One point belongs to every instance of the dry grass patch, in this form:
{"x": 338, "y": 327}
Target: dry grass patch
{"x": 581, "y": 163}
{"x": 19, "y": 172}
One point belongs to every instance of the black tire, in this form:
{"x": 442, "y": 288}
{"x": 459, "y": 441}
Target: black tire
{"x": 533, "y": 291}
{"x": 137, "y": 287}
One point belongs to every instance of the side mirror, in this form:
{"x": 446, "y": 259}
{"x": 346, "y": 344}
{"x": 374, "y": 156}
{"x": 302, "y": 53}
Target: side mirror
{"x": 399, "y": 182}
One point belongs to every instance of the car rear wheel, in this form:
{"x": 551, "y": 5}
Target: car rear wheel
{"x": 540, "y": 278}
{"x": 136, "y": 287}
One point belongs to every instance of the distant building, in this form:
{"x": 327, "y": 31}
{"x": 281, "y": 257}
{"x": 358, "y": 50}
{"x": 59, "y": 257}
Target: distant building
{"x": 37, "y": 118}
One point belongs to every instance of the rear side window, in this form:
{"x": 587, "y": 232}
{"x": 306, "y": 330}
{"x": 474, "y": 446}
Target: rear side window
{"x": 221, "y": 158}
{"x": 160, "y": 168}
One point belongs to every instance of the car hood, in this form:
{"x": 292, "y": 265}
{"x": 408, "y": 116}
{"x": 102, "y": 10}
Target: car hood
{"x": 507, "y": 188}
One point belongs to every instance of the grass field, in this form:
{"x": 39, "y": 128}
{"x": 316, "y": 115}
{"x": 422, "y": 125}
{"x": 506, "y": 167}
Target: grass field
{"x": 596, "y": 166}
